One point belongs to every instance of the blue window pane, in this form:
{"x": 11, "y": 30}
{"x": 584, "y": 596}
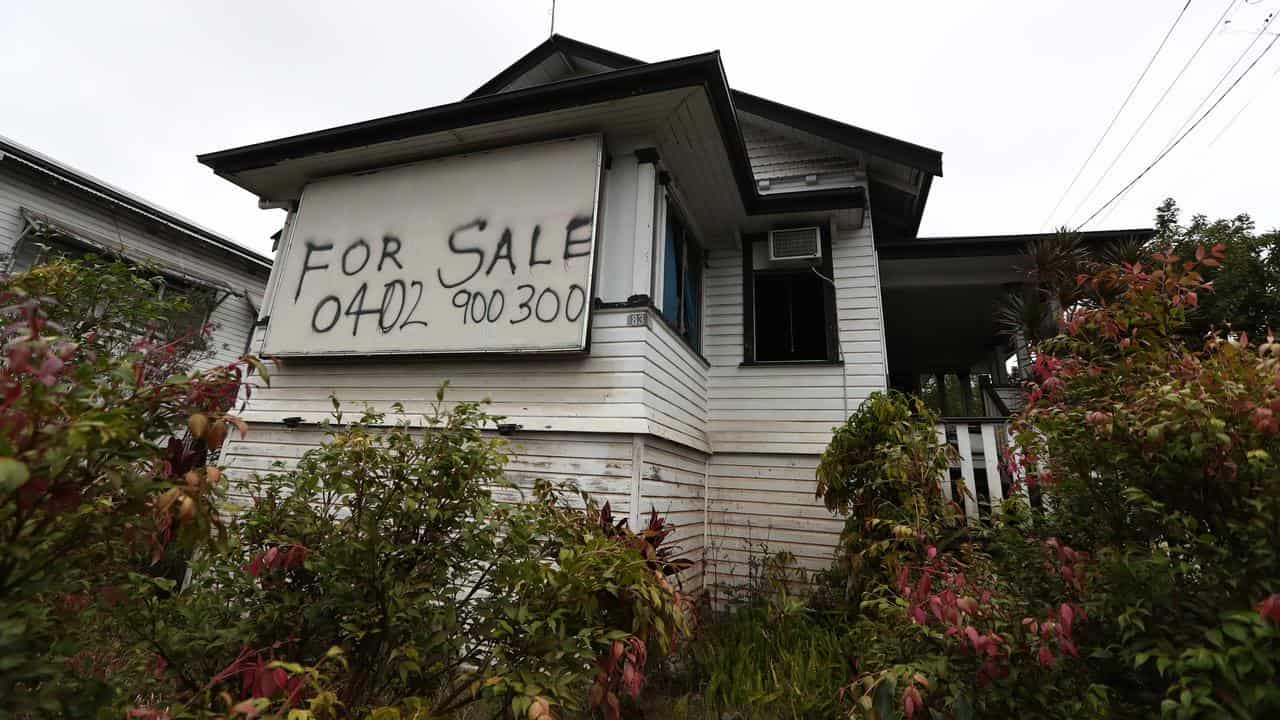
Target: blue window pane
{"x": 691, "y": 299}
{"x": 672, "y": 253}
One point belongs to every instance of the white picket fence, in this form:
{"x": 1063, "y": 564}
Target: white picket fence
{"x": 979, "y": 480}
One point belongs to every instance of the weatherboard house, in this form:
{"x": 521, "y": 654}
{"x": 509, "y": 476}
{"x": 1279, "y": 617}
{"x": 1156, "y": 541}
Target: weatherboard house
{"x": 671, "y": 290}
{"x": 48, "y": 207}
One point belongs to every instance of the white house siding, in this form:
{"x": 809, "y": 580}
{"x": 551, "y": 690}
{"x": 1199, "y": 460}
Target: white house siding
{"x": 791, "y": 409}
{"x": 636, "y": 379}
{"x": 761, "y": 504}
{"x": 775, "y": 157}
{"x": 597, "y": 463}
{"x": 767, "y": 425}
{"x": 233, "y": 318}
{"x": 672, "y": 480}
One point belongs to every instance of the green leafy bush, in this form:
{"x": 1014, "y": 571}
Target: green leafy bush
{"x": 1145, "y": 583}
{"x": 385, "y": 549}
{"x": 378, "y": 579}
{"x": 93, "y": 483}
{"x": 1158, "y": 458}
{"x": 942, "y": 616}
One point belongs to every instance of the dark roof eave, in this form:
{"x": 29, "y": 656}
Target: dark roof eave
{"x": 704, "y": 71}
{"x": 656, "y": 77}
{"x": 979, "y": 245}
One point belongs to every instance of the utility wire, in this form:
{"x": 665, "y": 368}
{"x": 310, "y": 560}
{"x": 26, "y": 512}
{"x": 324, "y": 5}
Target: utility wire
{"x": 1257, "y": 36}
{"x": 1261, "y": 90}
{"x": 1159, "y": 102}
{"x": 1115, "y": 117}
{"x": 1183, "y": 136}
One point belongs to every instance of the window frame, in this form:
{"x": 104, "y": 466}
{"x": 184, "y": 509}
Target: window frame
{"x": 749, "y": 272}
{"x": 669, "y": 205}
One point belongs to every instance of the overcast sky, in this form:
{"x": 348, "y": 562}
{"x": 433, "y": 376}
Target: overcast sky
{"x": 1014, "y": 93}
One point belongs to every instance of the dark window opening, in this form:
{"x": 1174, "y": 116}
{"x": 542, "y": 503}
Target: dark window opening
{"x": 682, "y": 279}
{"x": 791, "y": 316}
{"x": 789, "y": 310}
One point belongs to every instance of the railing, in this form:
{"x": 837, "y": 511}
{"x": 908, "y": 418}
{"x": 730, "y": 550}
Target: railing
{"x": 979, "y": 480}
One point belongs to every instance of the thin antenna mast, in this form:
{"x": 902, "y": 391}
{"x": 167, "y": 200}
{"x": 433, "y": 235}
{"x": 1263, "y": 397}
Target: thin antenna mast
{"x": 553, "y": 17}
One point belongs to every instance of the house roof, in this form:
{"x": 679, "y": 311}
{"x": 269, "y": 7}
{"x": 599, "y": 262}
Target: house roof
{"x": 897, "y": 212}
{"x": 976, "y": 245}
{"x": 697, "y": 71}
{"x": 86, "y": 184}
{"x": 566, "y": 74}
{"x": 575, "y": 54}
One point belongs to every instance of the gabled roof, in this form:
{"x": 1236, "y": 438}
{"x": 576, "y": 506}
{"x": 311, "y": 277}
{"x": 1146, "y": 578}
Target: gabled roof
{"x": 563, "y": 75}
{"x": 702, "y": 72}
{"x": 576, "y": 55}
{"x": 897, "y": 213}
{"x": 85, "y": 184}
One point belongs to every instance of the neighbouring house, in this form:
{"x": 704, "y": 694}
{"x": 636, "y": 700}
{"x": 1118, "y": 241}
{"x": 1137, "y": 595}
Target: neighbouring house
{"x": 670, "y": 289}
{"x": 49, "y": 207}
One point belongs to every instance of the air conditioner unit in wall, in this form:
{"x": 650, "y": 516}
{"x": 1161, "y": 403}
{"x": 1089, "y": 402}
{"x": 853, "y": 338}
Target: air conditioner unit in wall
{"x": 795, "y": 244}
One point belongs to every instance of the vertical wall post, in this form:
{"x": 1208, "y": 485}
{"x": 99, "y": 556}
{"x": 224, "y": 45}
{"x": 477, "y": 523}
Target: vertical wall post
{"x": 646, "y": 213}
{"x": 637, "y": 474}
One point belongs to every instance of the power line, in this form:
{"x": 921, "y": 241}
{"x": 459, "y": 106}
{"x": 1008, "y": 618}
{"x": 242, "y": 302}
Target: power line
{"x": 1159, "y": 102}
{"x": 1261, "y": 89}
{"x": 1115, "y": 117}
{"x": 1257, "y": 36}
{"x": 1189, "y": 130}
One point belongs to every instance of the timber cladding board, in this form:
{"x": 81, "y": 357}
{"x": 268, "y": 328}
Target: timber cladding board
{"x": 792, "y": 408}
{"x": 636, "y": 379}
{"x": 761, "y": 504}
{"x": 757, "y": 504}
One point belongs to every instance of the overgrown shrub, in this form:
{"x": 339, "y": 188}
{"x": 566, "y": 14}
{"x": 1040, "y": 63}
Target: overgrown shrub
{"x": 108, "y": 305}
{"x": 1158, "y": 459}
{"x": 93, "y": 483}
{"x": 943, "y": 616}
{"x": 1146, "y": 582}
{"x": 384, "y": 562}
{"x": 378, "y": 579}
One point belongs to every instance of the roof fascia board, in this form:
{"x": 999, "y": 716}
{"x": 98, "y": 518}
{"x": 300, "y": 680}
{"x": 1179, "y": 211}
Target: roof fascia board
{"x": 704, "y": 71}
{"x": 982, "y": 245}
{"x": 926, "y": 183}
{"x": 115, "y": 197}
{"x": 683, "y": 72}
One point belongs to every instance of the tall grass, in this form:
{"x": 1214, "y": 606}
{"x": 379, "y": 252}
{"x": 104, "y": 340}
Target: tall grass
{"x": 770, "y": 655}
{"x": 760, "y": 665}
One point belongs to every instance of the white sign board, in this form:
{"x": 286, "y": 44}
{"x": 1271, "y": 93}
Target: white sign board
{"x": 490, "y": 252}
